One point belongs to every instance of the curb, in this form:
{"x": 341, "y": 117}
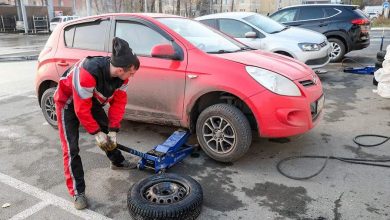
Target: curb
{"x": 18, "y": 58}
{"x": 380, "y": 28}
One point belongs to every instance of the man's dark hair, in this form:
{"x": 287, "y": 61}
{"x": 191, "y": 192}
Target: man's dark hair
{"x": 136, "y": 65}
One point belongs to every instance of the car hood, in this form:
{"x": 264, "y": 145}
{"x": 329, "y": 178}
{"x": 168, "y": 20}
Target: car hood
{"x": 300, "y": 35}
{"x": 286, "y": 66}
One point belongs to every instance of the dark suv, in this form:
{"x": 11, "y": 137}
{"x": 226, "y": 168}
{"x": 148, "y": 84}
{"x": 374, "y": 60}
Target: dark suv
{"x": 345, "y": 26}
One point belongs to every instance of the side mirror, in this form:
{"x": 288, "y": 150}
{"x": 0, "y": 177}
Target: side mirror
{"x": 164, "y": 51}
{"x": 250, "y": 34}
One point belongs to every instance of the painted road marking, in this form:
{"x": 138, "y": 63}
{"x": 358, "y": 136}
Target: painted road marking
{"x": 30, "y": 211}
{"x": 48, "y": 198}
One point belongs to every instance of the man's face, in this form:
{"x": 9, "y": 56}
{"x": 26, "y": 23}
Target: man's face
{"x": 122, "y": 74}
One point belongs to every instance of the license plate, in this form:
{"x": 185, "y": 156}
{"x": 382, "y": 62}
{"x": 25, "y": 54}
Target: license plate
{"x": 320, "y": 103}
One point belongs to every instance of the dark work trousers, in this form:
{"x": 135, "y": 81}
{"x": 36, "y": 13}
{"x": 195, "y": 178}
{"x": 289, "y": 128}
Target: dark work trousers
{"x": 68, "y": 127}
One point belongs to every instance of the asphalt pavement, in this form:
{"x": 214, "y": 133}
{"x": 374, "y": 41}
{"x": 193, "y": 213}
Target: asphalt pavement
{"x": 32, "y": 182}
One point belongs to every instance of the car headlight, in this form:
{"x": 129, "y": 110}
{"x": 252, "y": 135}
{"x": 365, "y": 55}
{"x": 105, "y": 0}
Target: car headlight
{"x": 309, "y": 47}
{"x": 273, "y": 81}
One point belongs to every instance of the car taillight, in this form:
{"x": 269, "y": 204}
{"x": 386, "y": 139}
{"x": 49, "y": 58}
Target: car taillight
{"x": 360, "y": 21}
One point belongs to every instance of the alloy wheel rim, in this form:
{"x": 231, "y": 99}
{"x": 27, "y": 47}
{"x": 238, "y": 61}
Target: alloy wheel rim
{"x": 219, "y": 135}
{"x": 50, "y": 109}
{"x": 336, "y": 50}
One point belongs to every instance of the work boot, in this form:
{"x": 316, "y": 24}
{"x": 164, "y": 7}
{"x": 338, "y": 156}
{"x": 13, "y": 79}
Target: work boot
{"x": 80, "y": 201}
{"x": 125, "y": 165}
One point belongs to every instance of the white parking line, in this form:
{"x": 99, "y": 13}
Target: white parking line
{"x": 48, "y": 198}
{"x": 30, "y": 211}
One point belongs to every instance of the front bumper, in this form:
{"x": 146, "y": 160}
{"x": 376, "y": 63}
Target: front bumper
{"x": 283, "y": 116}
{"x": 315, "y": 59}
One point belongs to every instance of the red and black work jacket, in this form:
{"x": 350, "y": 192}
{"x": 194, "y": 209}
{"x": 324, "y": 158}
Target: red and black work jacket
{"x": 89, "y": 82}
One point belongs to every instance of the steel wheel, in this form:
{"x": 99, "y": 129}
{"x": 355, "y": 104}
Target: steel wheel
{"x": 219, "y": 134}
{"x": 165, "y": 192}
{"x": 336, "y": 50}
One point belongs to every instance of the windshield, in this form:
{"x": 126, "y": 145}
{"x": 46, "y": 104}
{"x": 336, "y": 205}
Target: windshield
{"x": 202, "y": 36}
{"x": 265, "y": 24}
{"x": 55, "y": 20}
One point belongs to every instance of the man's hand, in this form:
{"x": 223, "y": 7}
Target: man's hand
{"x": 101, "y": 140}
{"x": 111, "y": 140}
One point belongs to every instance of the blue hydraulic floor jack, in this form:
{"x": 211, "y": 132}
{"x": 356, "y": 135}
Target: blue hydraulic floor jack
{"x": 165, "y": 155}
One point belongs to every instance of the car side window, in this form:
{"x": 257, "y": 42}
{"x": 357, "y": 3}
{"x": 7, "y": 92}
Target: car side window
{"x": 309, "y": 13}
{"x": 330, "y": 12}
{"x": 140, "y": 37}
{"x": 89, "y": 36}
{"x": 285, "y": 16}
{"x": 210, "y": 22}
{"x": 234, "y": 28}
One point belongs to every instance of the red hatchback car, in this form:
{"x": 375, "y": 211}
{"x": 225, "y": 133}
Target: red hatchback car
{"x": 191, "y": 76}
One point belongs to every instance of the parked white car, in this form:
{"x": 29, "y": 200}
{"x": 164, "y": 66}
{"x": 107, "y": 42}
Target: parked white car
{"x": 60, "y": 19}
{"x": 261, "y": 32}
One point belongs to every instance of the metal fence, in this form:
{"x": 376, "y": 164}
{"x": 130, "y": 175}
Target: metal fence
{"x": 40, "y": 24}
{"x": 8, "y": 23}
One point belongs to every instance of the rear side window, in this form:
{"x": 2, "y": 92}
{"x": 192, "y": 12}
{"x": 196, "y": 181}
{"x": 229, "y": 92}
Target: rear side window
{"x": 90, "y": 36}
{"x": 309, "y": 13}
{"x": 234, "y": 28}
{"x": 285, "y": 16}
{"x": 360, "y": 13}
{"x": 329, "y": 12}
{"x": 210, "y": 22}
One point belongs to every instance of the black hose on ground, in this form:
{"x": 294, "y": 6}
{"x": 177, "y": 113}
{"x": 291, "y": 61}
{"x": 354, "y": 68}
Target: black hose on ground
{"x": 368, "y": 162}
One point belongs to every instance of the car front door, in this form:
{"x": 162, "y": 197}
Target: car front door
{"x": 238, "y": 29}
{"x": 156, "y": 92}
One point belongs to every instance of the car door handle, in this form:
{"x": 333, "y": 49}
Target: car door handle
{"x": 63, "y": 63}
{"x": 323, "y": 25}
{"x": 191, "y": 76}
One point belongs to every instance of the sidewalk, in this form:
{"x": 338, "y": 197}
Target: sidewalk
{"x": 16, "y": 47}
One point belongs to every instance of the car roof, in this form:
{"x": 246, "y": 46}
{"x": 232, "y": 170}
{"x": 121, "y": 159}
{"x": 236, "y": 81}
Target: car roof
{"x": 323, "y": 5}
{"x": 149, "y": 15}
{"x": 236, "y": 15}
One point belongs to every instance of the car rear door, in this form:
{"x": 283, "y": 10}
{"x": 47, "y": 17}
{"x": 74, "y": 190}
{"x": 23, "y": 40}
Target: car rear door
{"x": 86, "y": 38}
{"x": 312, "y": 18}
{"x": 156, "y": 92}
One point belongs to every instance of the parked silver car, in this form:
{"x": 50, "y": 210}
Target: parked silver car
{"x": 60, "y": 19}
{"x": 261, "y": 32}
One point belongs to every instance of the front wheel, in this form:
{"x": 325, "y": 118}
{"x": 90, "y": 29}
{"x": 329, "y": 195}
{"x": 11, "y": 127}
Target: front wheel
{"x": 48, "y": 107}
{"x": 223, "y": 132}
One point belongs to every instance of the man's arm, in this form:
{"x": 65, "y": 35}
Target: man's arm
{"x": 83, "y": 86}
{"x": 117, "y": 107}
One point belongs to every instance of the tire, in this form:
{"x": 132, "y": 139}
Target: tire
{"x": 378, "y": 65}
{"x": 235, "y": 135}
{"x": 380, "y": 56}
{"x": 48, "y": 107}
{"x": 141, "y": 195}
{"x": 338, "y": 50}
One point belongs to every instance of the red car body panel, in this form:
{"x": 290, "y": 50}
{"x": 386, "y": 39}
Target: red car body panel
{"x": 164, "y": 91}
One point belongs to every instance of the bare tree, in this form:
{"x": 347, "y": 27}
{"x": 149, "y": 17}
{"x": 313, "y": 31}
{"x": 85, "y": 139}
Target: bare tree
{"x": 221, "y": 7}
{"x": 97, "y": 7}
{"x": 141, "y": 5}
{"x": 232, "y": 8}
{"x": 159, "y": 6}
{"x": 152, "y": 6}
{"x": 178, "y": 7}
